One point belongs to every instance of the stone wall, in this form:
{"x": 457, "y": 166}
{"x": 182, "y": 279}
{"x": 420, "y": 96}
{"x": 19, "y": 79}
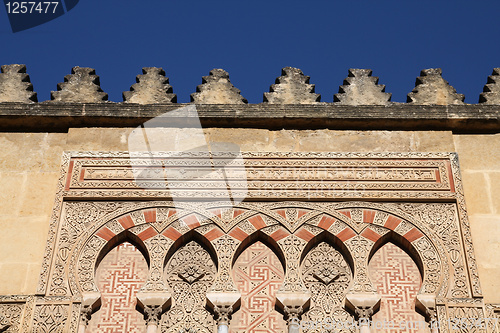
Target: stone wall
{"x": 29, "y": 169}
{"x": 291, "y": 118}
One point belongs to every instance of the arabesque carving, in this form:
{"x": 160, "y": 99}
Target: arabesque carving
{"x": 328, "y": 276}
{"x": 189, "y": 273}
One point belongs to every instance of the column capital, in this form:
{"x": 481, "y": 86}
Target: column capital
{"x": 91, "y": 301}
{"x": 223, "y": 314}
{"x": 364, "y": 305}
{"x": 152, "y": 314}
{"x": 153, "y": 304}
{"x": 292, "y": 300}
{"x": 223, "y": 304}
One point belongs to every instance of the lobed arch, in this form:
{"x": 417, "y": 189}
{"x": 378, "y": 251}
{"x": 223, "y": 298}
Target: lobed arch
{"x": 263, "y": 223}
{"x": 123, "y": 237}
{"x": 333, "y": 241}
{"x": 402, "y": 243}
{"x": 259, "y": 236}
{"x": 191, "y": 235}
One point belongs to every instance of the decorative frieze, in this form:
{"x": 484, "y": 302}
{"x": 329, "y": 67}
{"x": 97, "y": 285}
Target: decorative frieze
{"x": 324, "y": 243}
{"x": 288, "y": 175}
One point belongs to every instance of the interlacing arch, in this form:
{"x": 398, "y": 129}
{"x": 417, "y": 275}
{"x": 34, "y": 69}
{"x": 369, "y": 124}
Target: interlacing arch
{"x": 356, "y": 229}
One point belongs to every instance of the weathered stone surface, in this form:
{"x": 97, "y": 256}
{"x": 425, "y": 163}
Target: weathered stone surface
{"x": 292, "y": 87}
{"x": 432, "y": 89}
{"x": 491, "y": 90}
{"x": 217, "y": 89}
{"x": 15, "y": 85}
{"x": 361, "y": 88}
{"x": 81, "y": 86}
{"x": 151, "y": 87}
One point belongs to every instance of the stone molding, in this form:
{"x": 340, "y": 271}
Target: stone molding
{"x": 50, "y": 117}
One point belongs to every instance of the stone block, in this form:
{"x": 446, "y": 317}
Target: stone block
{"x": 485, "y": 231}
{"x": 31, "y": 285}
{"x": 13, "y": 278}
{"x": 21, "y": 151}
{"x": 476, "y": 190}
{"x": 350, "y": 141}
{"x": 433, "y": 141}
{"x": 494, "y": 180}
{"x": 478, "y": 151}
{"x": 23, "y": 239}
{"x": 12, "y": 184}
{"x": 284, "y": 140}
{"x": 53, "y": 148}
{"x": 39, "y": 194}
{"x": 248, "y": 139}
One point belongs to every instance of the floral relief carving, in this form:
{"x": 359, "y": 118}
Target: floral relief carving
{"x": 10, "y": 317}
{"x": 327, "y": 276}
{"x": 50, "y": 318}
{"x": 225, "y": 247}
{"x": 189, "y": 273}
{"x": 292, "y": 248}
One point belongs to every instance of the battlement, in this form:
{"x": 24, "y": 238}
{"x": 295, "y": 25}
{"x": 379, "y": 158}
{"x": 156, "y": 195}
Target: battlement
{"x": 361, "y": 103}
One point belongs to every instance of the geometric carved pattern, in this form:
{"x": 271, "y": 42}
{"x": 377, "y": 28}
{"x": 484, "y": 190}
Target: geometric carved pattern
{"x": 119, "y": 276}
{"x": 398, "y": 281}
{"x": 258, "y": 275}
{"x": 189, "y": 273}
{"x": 327, "y": 276}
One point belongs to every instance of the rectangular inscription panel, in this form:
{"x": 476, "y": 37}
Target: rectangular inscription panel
{"x": 251, "y": 176}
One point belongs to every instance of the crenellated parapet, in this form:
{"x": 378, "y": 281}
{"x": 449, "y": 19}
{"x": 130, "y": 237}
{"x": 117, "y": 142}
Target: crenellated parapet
{"x": 491, "y": 91}
{"x": 216, "y": 88}
{"x": 359, "y": 89}
{"x": 15, "y": 85}
{"x": 151, "y": 87}
{"x": 432, "y": 89}
{"x": 81, "y": 86}
{"x": 292, "y": 87}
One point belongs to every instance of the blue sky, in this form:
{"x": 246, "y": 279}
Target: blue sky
{"x": 253, "y": 40}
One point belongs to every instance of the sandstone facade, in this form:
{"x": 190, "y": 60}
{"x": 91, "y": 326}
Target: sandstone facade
{"x": 66, "y": 199}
